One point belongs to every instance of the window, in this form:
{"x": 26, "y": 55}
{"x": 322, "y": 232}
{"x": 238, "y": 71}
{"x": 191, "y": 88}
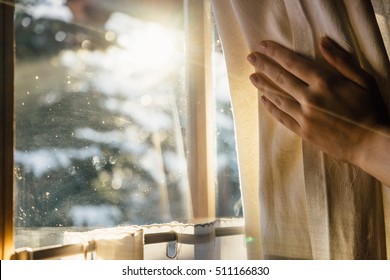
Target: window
{"x": 112, "y": 123}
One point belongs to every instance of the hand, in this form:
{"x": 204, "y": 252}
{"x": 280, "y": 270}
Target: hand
{"x": 336, "y": 107}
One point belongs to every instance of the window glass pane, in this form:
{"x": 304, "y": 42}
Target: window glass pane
{"x": 100, "y": 117}
{"x": 228, "y": 188}
{"x": 101, "y": 113}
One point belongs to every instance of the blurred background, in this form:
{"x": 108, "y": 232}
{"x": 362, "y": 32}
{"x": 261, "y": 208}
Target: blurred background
{"x": 101, "y": 112}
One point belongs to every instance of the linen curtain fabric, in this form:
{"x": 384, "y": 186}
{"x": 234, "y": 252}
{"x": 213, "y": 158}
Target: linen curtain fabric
{"x": 122, "y": 243}
{"x": 193, "y": 242}
{"x": 298, "y": 202}
{"x": 197, "y": 242}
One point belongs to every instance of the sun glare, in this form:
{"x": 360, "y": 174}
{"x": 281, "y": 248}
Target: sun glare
{"x": 152, "y": 48}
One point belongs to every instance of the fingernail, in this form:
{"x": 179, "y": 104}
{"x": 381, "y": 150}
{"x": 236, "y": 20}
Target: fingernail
{"x": 327, "y": 44}
{"x": 254, "y": 78}
{"x": 252, "y": 58}
{"x": 263, "y": 46}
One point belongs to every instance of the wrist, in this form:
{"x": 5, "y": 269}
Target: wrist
{"x": 372, "y": 149}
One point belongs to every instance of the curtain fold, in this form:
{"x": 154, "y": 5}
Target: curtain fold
{"x": 309, "y": 205}
{"x": 382, "y": 14}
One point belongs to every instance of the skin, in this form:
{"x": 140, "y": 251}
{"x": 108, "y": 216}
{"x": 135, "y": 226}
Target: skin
{"x": 336, "y": 107}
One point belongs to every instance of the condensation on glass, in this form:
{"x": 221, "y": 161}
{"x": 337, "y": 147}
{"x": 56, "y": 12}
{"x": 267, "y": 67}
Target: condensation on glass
{"x": 101, "y": 113}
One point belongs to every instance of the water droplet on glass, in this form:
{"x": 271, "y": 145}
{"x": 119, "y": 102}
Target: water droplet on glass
{"x": 72, "y": 170}
{"x": 18, "y": 173}
{"x": 109, "y": 36}
{"x": 60, "y": 36}
{"x": 113, "y": 159}
{"x": 86, "y": 44}
{"x": 99, "y": 162}
{"x": 26, "y": 22}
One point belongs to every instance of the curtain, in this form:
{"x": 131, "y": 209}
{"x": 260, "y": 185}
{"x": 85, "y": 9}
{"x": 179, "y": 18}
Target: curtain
{"x": 122, "y": 243}
{"x": 298, "y": 202}
{"x": 192, "y": 242}
{"x": 197, "y": 242}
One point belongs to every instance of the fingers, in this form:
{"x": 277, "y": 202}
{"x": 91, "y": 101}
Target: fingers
{"x": 281, "y": 116}
{"x": 280, "y": 83}
{"x": 298, "y": 66}
{"x": 280, "y": 99}
{"x": 285, "y": 80}
{"x": 343, "y": 62}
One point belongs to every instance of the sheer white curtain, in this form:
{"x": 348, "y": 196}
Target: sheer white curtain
{"x": 192, "y": 242}
{"x": 298, "y": 202}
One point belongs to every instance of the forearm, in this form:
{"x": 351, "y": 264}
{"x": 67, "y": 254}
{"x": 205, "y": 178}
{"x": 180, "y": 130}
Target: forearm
{"x": 374, "y": 158}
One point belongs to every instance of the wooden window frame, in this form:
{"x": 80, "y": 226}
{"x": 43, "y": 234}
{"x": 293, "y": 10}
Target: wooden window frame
{"x": 201, "y": 127}
{"x": 6, "y": 128}
{"x": 201, "y": 144}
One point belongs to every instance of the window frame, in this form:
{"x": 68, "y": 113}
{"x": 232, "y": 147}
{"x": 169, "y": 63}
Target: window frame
{"x": 201, "y": 144}
{"x": 6, "y": 129}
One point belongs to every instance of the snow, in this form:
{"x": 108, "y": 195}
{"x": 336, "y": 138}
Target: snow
{"x": 95, "y": 215}
{"x": 54, "y": 9}
{"x": 44, "y": 160}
